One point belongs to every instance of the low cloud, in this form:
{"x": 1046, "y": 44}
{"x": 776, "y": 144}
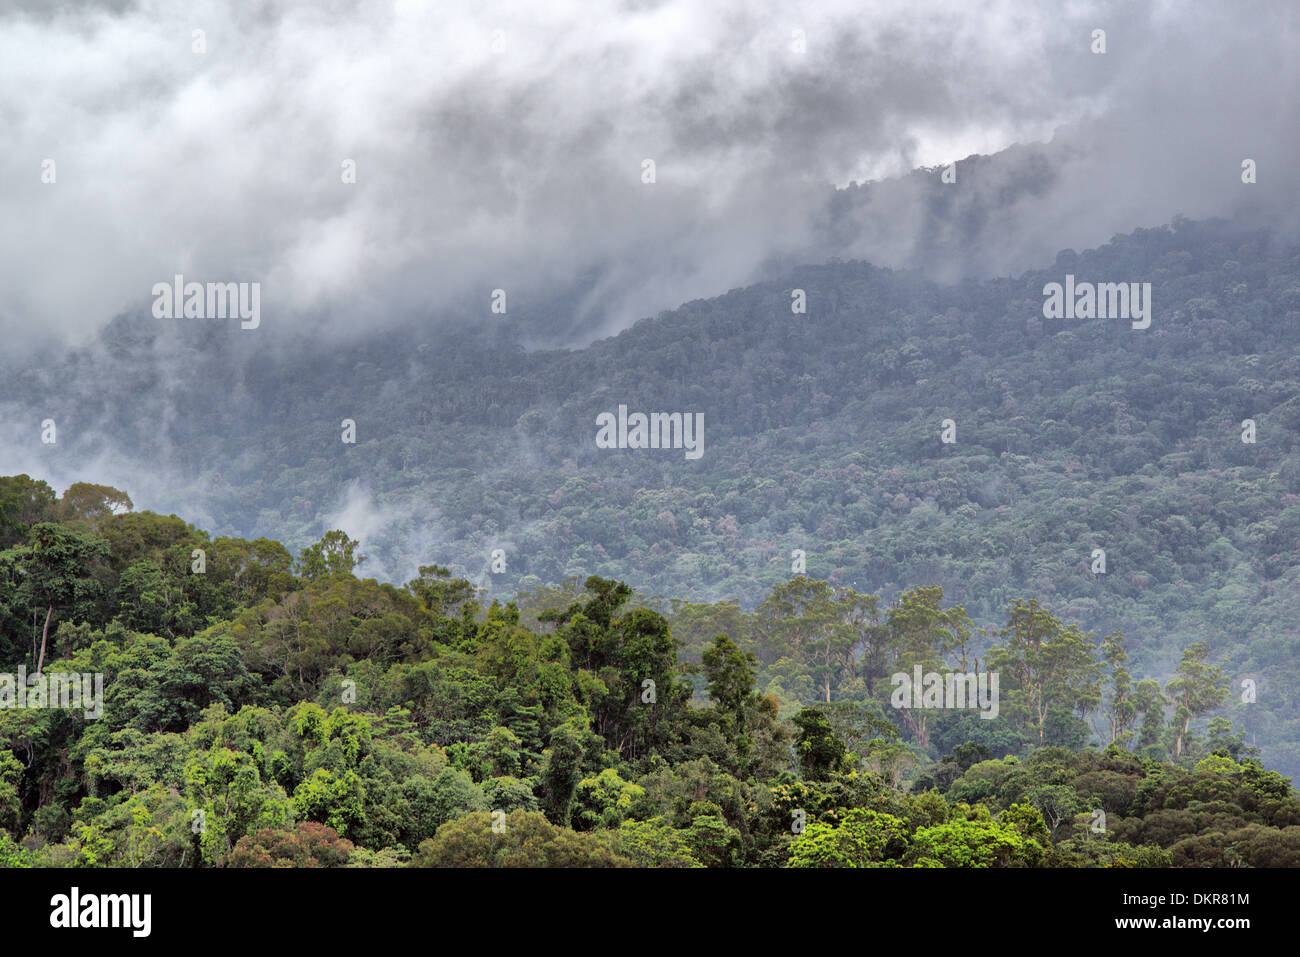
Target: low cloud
{"x": 500, "y": 145}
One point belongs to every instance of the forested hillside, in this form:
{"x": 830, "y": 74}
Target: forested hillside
{"x": 822, "y": 434}
{"x": 264, "y": 710}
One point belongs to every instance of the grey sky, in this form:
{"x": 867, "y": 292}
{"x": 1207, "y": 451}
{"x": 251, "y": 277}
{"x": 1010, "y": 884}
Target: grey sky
{"x": 513, "y": 160}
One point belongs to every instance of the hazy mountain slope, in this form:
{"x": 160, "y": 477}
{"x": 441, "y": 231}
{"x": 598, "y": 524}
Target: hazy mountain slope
{"x": 821, "y": 434}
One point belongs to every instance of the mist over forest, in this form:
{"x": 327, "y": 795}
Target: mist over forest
{"x": 625, "y": 425}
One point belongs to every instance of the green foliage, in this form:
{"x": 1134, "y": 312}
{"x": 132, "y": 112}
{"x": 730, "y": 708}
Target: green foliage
{"x": 730, "y": 673}
{"x": 254, "y": 717}
{"x": 605, "y": 800}
{"x": 821, "y": 752}
{"x": 980, "y": 842}
{"x": 862, "y": 838}
{"x": 14, "y": 855}
{"x": 655, "y": 843}
{"x": 527, "y": 839}
{"x": 335, "y": 554}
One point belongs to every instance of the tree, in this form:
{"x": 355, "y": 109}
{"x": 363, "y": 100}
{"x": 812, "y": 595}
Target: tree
{"x": 627, "y": 668}
{"x": 24, "y": 502}
{"x": 55, "y": 570}
{"x": 438, "y": 591}
{"x": 921, "y": 633}
{"x": 522, "y": 839}
{"x": 862, "y": 838}
{"x": 859, "y": 619}
{"x": 821, "y": 752}
{"x": 730, "y": 675}
{"x": 309, "y": 844}
{"x": 713, "y": 842}
{"x": 1196, "y": 689}
{"x": 91, "y": 503}
{"x": 656, "y": 843}
{"x": 14, "y": 855}
{"x": 11, "y": 770}
{"x": 978, "y": 842}
{"x": 1149, "y": 702}
{"x": 1121, "y": 710}
{"x": 1044, "y": 664}
{"x": 562, "y": 769}
{"x": 817, "y": 626}
{"x": 248, "y": 571}
{"x": 334, "y": 554}
{"x": 605, "y": 800}
{"x": 1055, "y": 802}
{"x": 869, "y": 736}
{"x": 1028, "y": 820}
{"x": 148, "y": 600}
{"x": 497, "y": 755}
{"x": 426, "y": 804}
{"x": 333, "y": 798}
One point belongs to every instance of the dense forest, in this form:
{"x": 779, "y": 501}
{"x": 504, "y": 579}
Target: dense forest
{"x": 822, "y": 435}
{"x": 261, "y": 710}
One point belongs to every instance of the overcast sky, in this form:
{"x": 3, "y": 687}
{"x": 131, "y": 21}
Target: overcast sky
{"x": 501, "y": 144}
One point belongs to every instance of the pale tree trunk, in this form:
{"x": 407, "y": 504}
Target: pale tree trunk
{"x": 40, "y": 662}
